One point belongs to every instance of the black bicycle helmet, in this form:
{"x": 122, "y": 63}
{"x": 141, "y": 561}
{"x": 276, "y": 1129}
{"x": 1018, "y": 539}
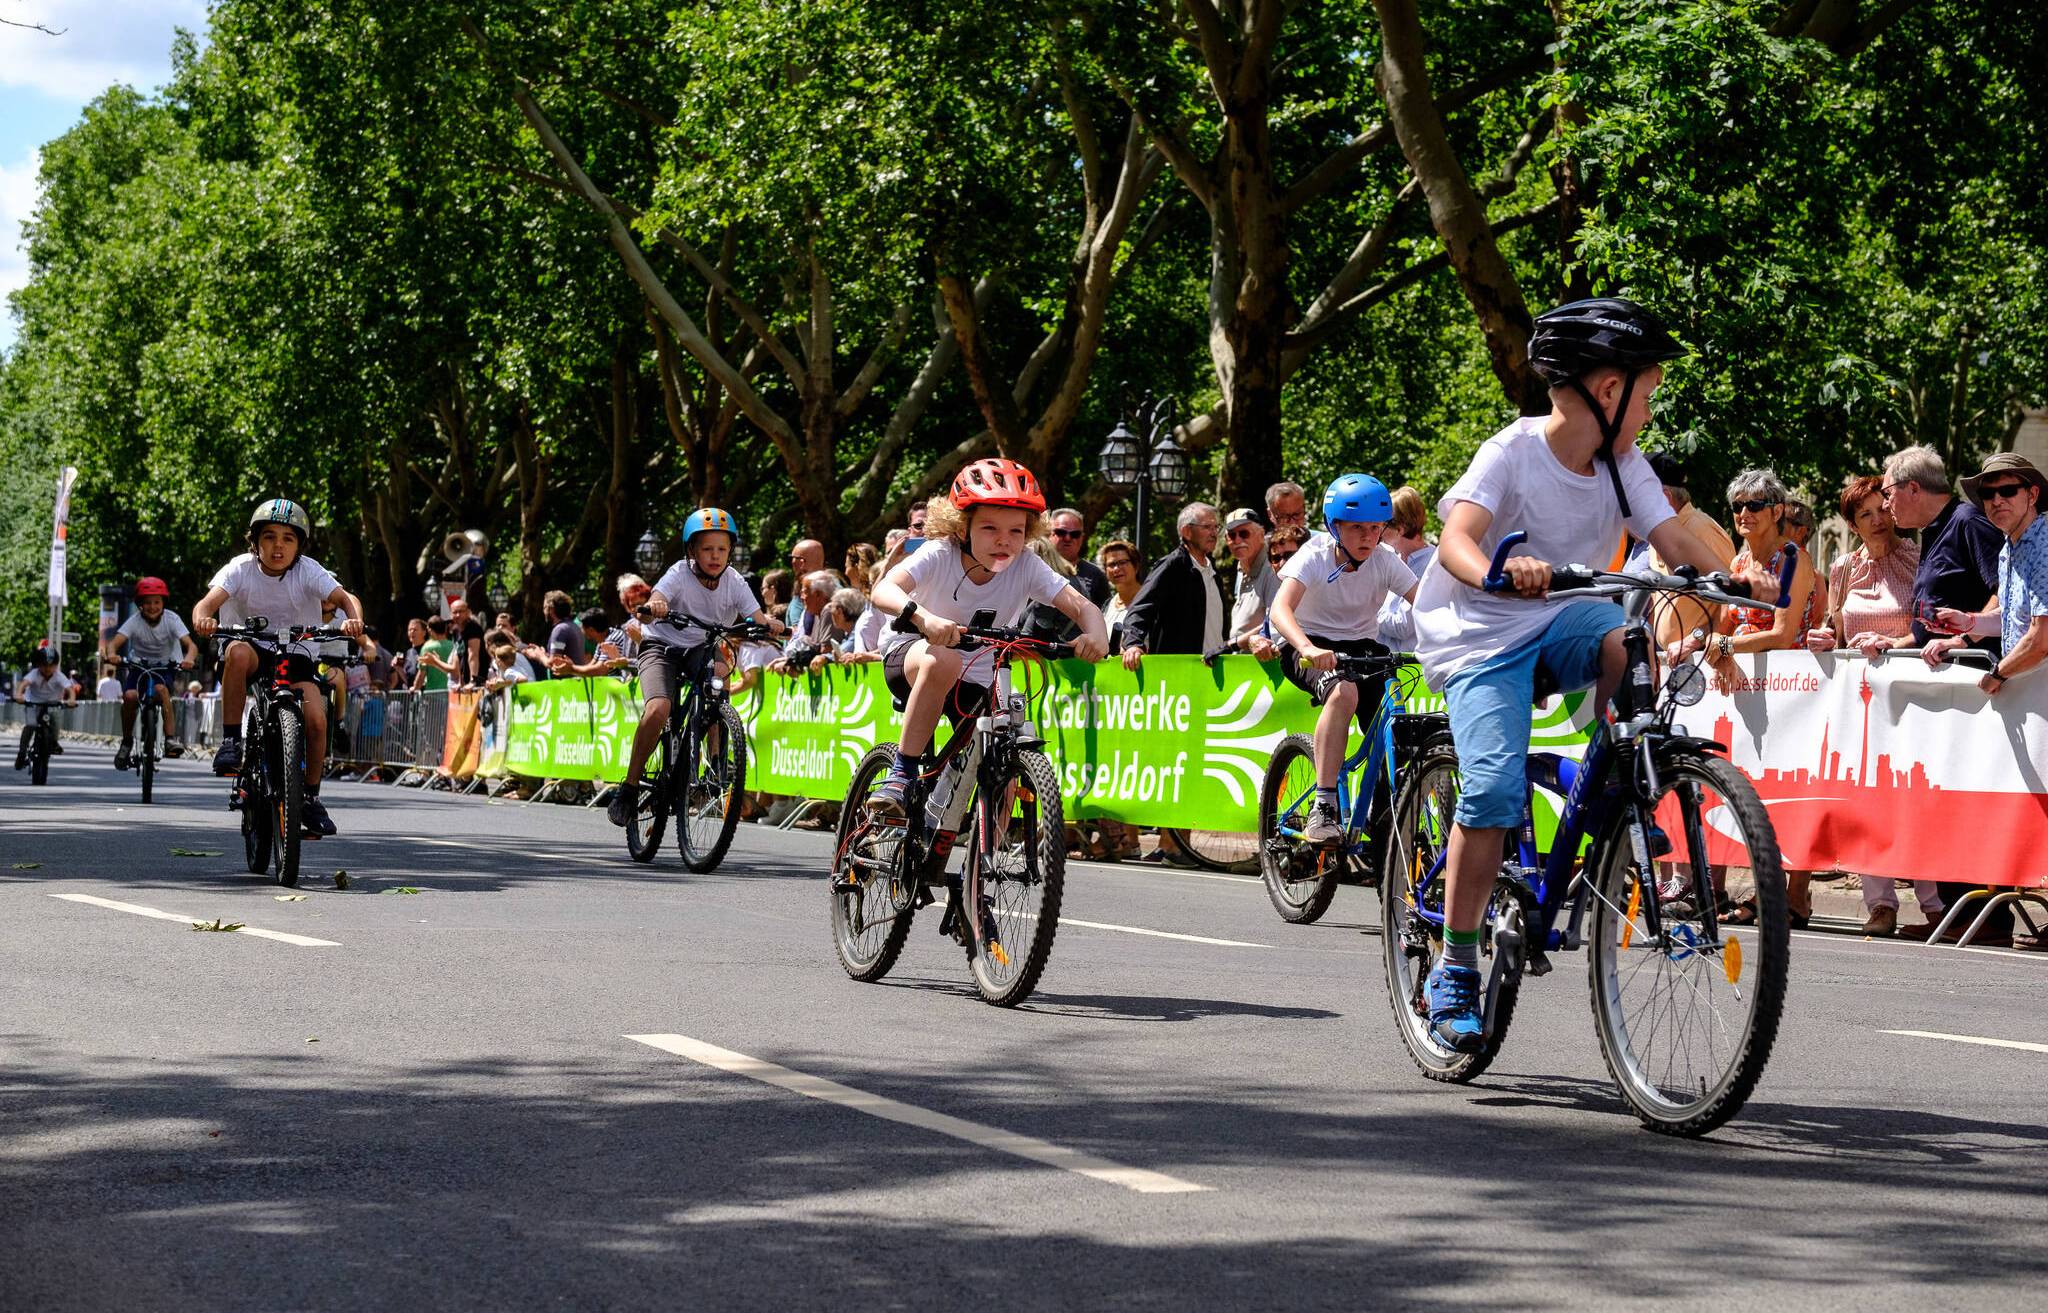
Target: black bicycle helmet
{"x": 1582, "y": 336}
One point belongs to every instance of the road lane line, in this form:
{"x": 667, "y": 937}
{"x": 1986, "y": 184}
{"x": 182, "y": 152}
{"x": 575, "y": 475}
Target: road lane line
{"x": 1971, "y": 1039}
{"x": 136, "y": 909}
{"x": 1159, "y": 934}
{"x": 875, "y": 1105}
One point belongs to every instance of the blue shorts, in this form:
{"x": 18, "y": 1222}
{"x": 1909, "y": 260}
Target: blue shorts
{"x": 1489, "y": 705}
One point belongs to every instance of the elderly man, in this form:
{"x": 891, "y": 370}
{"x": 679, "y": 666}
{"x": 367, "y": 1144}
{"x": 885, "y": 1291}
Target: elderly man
{"x": 812, "y": 633}
{"x": 1181, "y": 608}
{"x": 468, "y": 633}
{"x": 1069, "y": 538}
{"x": 807, "y": 557}
{"x": 1286, "y": 507}
{"x": 1244, "y": 535}
{"x": 1958, "y": 546}
{"x": 2009, "y": 492}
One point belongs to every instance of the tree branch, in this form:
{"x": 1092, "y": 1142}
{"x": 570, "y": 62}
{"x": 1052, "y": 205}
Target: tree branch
{"x": 878, "y": 360}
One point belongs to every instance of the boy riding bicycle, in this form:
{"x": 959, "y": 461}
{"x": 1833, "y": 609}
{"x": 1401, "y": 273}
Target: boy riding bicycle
{"x": 1329, "y": 604}
{"x": 43, "y": 686}
{"x": 974, "y": 559}
{"x": 276, "y": 582}
{"x": 154, "y": 636}
{"x": 1571, "y": 480}
{"x": 698, "y": 588}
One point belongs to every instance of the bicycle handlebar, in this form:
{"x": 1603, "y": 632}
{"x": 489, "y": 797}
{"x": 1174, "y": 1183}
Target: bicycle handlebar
{"x": 746, "y": 631}
{"x": 1716, "y": 587}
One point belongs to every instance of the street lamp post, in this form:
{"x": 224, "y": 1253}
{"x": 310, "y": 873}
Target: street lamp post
{"x": 1154, "y": 464}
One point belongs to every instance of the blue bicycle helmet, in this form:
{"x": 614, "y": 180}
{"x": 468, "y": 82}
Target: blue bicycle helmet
{"x": 709, "y": 518}
{"x": 1359, "y": 498}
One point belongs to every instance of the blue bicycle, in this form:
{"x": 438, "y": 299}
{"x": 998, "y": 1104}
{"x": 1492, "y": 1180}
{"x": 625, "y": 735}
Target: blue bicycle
{"x": 1301, "y": 878}
{"x": 149, "y": 746}
{"x": 1685, "y": 1005}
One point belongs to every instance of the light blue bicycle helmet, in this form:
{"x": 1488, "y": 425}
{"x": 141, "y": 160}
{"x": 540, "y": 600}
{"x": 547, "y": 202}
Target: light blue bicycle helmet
{"x": 1357, "y": 497}
{"x": 709, "y": 517}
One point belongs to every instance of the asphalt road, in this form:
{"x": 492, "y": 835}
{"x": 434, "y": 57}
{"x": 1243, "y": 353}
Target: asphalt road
{"x": 442, "y": 1108}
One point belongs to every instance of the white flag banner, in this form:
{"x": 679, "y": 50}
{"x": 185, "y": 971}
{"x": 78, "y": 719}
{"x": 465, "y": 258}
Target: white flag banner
{"x": 60, "y": 593}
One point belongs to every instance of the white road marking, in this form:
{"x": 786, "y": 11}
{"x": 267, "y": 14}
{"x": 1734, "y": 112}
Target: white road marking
{"x": 136, "y": 909}
{"x": 1159, "y": 934}
{"x": 1971, "y": 1039}
{"x": 875, "y": 1105}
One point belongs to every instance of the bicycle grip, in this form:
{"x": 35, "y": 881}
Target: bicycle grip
{"x": 1496, "y": 582}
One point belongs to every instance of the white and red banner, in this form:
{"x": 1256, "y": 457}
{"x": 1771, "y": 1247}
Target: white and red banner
{"x": 1890, "y": 768}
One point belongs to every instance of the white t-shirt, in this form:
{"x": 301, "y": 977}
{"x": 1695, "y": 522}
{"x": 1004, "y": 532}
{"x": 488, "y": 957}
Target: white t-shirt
{"x": 35, "y": 689}
{"x": 1348, "y": 606}
{"x": 292, "y": 598}
{"x": 1397, "y": 617}
{"x": 867, "y": 631}
{"x": 1571, "y": 519}
{"x": 939, "y": 585}
{"x": 156, "y": 644}
{"x": 729, "y": 603}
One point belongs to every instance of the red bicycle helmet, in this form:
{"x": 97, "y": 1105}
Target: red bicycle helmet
{"x": 151, "y": 586}
{"x": 997, "y": 482}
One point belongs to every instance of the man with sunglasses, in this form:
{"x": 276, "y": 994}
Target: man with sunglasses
{"x": 1069, "y": 538}
{"x": 1958, "y": 547}
{"x": 2009, "y": 492}
{"x": 1244, "y": 534}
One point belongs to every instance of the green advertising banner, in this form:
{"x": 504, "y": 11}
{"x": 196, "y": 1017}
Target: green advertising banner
{"x": 1176, "y": 743}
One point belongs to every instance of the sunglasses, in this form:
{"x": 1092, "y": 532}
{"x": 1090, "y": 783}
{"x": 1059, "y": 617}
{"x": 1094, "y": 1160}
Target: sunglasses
{"x": 1241, "y": 531}
{"x": 1755, "y": 507}
{"x": 2000, "y": 492}
{"x": 1067, "y": 533}
{"x": 1117, "y": 563}
{"x": 1279, "y": 558}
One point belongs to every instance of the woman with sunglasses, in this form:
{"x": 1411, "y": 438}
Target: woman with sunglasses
{"x": 1119, "y": 560}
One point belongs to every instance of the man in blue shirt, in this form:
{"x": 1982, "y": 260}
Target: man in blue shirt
{"x": 2009, "y": 490}
{"x": 1958, "y": 546}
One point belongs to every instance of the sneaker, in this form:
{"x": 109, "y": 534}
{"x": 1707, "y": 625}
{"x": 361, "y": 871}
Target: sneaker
{"x": 1882, "y": 923}
{"x": 124, "y": 756}
{"x": 228, "y": 759}
{"x": 173, "y": 748}
{"x": 1454, "y": 1008}
{"x": 56, "y": 747}
{"x": 893, "y": 798}
{"x": 1323, "y": 828}
{"x": 313, "y": 818}
{"x": 620, "y": 809}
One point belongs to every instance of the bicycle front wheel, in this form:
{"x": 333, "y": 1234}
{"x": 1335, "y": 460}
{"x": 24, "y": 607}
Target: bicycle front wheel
{"x": 1686, "y": 1017}
{"x": 708, "y": 802}
{"x": 287, "y": 797}
{"x": 146, "y": 740}
{"x": 1020, "y": 856}
{"x": 1300, "y": 878}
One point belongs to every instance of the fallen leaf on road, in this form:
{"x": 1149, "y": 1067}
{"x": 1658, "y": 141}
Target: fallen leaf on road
{"x": 312, "y": 1039}
{"x": 289, "y": 898}
{"x": 217, "y": 925}
{"x": 27, "y": 866}
{"x": 341, "y": 879}
{"x": 402, "y": 889}
{"x": 191, "y": 852}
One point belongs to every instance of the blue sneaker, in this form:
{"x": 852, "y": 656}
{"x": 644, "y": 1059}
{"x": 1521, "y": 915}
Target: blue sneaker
{"x": 1454, "y": 1019}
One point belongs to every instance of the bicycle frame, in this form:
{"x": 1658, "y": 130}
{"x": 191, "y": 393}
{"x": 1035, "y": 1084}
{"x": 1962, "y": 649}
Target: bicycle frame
{"x": 1376, "y": 753}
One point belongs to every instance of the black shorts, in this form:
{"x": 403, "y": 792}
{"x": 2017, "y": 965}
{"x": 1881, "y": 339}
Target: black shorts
{"x": 664, "y": 670}
{"x": 1318, "y": 683}
{"x": 968, "y": 699}
{"x": 131, "y": 680}
{"x": 296, "y": 667}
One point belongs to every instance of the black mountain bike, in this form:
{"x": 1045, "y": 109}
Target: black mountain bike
{"x": 702, "y": 770}
{"x": 149, "y": 738}
{"x": 270, "y": 789}
{"x": 992, "y": 779}
{"x": 39, "y": 743}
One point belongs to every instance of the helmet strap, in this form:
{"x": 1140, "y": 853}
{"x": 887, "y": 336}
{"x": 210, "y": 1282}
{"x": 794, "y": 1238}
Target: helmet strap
{"x": 1610, "y": 431}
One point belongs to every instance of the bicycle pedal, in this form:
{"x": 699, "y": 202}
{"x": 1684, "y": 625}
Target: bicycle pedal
{"x": 1538, "y": 964}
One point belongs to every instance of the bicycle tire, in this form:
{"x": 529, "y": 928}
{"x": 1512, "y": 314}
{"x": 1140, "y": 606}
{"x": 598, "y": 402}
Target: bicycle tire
{"x": 1284, "y": 863}
{"x": 39, "y": 756}
{"x": 146, "y": 739}
{"x": 1222, "y": 851}
{"x": 708, "y": 807}
{"x": 647, "y": 822}
{"x": 1042, "y": 827}
{"x": 287, "y": 797}
{"x": 867, "y": 956}
{"x": 256, "y": 834}
{"x": 1612, "y": 937}
{"x": 1419, "y": 835}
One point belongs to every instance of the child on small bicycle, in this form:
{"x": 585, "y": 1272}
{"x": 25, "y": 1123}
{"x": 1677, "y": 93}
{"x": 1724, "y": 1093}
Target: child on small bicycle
{"x": 974, "y": 559}
{"x": 701, "y": 588}
{"x": 1329, "y": 604}
{"x": 276, "y": 582}
{"x": 1548, "y": 476}
{"x": 43, "y": 686}
{"x": 154, "y": 636}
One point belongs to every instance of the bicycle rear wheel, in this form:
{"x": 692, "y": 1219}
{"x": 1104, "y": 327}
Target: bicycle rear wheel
{"x": 1020, "y": 854}
{"x": 647, "y": 821}
{"x": 39, "y": 753}
{"x": 146, "y": 739}
{"x": 1686, "y": 1018}
{"x": 1218, "y": 850}
{"x": 874, "y": 894}
{"x": 256, "y": 833}
{"x": 708, "y": 803}
{"x": 287, "y": 797}
{"x": 1411, "y": 894}
{"x": 1301, "y": 878}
